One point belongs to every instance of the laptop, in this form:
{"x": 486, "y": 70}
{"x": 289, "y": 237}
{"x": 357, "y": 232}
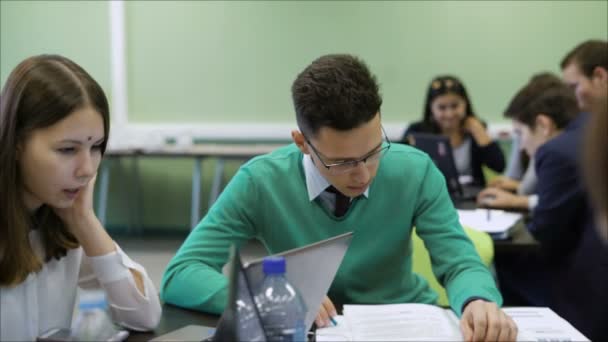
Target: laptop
{"x": 240, "y": 321}
{"x": 310, "y": 269}
{"x": 439, "y": 149}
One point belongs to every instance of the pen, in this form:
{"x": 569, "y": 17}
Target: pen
{"x": 488, "y": 215}
{"x": 333, "y": 321}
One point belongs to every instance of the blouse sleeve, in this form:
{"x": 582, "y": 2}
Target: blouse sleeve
{"x": 491, "y": 155}
{"x": 128, "y": 306}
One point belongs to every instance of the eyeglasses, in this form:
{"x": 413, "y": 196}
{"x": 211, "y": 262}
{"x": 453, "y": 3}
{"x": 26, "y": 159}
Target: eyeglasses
{"x": 371, "y": 158}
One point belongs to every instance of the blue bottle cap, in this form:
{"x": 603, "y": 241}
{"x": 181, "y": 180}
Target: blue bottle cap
{"x": 94, "y": 303}
{"x": 274, "y": 265}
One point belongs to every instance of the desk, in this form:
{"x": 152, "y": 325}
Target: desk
{"x": 198, "y": 152}
{"x": 520, "y": 241}
{"x": 174, "y": 318}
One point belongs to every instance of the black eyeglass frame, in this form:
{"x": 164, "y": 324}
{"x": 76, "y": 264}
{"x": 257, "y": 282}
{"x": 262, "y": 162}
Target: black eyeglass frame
{"x": 378, "y": 150}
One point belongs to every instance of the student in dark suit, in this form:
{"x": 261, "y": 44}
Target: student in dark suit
{"x": 585, "y": 68}
{"x": 570, "y": 272}
{"x": 449, "y": 112}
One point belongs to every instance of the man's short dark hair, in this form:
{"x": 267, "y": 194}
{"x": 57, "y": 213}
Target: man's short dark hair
{"x": 588, "y": 55}
{"x": 336, "y": 91}
{"x": 545, "y": 94}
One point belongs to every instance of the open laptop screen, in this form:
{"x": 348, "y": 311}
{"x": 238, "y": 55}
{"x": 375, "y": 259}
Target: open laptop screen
{"x": 310, "y": 269}
{"x": 439, "y": 149}
{"x": 241, "y": 320}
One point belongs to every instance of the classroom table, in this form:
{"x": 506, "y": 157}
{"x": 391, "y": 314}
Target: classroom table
{"x": 198, "y": 152}
{"x": 173, "y": 318}
{"x": 520, "y": 239}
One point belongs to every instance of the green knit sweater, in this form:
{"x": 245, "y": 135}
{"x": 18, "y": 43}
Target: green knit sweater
{"x": 267, "y": 200}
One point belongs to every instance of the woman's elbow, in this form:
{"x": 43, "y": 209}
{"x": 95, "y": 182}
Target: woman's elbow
{"x": 145, "y": 320}
{"x": 151, "y": 322}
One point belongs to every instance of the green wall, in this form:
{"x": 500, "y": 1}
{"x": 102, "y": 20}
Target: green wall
{"x": 234, "y": 62}
{"x": 77, "y": 29}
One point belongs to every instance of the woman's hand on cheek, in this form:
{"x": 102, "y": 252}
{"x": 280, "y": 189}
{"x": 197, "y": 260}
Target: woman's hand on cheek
{"x": 81, "y": 212}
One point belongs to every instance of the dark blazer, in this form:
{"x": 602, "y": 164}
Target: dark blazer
{"x": 490, "y": 155}
{"x": 569, "y": 273}
{"x": 563, "y": 223}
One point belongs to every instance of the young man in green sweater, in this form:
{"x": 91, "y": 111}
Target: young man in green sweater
{"x": 341, "y": 175}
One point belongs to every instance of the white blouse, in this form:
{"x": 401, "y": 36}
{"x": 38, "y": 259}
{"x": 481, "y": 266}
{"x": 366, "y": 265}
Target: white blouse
{"x": 46, "y": 299}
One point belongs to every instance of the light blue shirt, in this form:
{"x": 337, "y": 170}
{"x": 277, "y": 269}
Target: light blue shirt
{"x": 316, "y": 184}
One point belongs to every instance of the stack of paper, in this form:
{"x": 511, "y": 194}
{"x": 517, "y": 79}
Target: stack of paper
{"x": 542, "y": 324}
{"x": 393, "y": 322}
{"x": 422, "y": 322}
{"x": 497, "y": 223}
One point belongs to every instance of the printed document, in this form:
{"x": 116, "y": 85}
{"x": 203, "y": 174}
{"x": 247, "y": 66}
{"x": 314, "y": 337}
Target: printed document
{"x": 423, "y": 322}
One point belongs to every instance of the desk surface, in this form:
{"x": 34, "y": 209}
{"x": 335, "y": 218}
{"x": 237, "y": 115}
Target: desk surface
{"x": 520, "y": 240}
{"x": 174, "y": 318}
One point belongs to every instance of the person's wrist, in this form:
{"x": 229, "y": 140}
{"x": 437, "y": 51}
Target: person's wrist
{"x": 80, "y": 223}
{"x": 470, "y": 301}
{"x": 519, "y": 202}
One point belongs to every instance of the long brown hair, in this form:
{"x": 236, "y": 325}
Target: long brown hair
{"x": 38, "y": 93}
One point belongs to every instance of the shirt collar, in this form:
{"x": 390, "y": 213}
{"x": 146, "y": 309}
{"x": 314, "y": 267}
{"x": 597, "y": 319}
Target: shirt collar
{"x": 315, "y": 182}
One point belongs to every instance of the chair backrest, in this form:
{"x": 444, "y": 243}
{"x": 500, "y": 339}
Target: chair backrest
{"x": 421, "y": 261}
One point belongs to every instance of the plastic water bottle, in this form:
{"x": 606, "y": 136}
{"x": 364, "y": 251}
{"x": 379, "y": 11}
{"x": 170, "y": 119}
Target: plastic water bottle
{"x": 282, "y": 309}
{"x": 93, "y": 322}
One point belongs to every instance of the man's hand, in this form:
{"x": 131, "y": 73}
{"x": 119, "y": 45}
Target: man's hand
{"x": 485, "y": 321}
{"x": 504, "y": 183}
{"x": 497, "y": 198}
{"x": 326, "y": 311}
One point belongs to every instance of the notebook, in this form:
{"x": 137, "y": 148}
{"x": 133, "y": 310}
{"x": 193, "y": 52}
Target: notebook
{"x": 310, "y": 269}
{"x": 439, "y": 149}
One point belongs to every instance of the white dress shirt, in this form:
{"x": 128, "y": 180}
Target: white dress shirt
{"x": 46, "y": 298}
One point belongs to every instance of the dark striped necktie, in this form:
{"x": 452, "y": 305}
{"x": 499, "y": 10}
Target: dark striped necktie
{"x": 342, "y": 201}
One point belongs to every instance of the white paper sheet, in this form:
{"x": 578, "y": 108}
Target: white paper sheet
{"x": 491, "y": 221}
{"x": 542, "y": 324}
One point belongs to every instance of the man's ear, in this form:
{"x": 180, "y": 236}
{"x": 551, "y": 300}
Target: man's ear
{"x": 300, "y": 141}
{"x": 600, "y": 74}
{"x": 545, "y": 125}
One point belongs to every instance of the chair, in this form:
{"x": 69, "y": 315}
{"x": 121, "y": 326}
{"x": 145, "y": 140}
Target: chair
{"x": 421, "y": 260}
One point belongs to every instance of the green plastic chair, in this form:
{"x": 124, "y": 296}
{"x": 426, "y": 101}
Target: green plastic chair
{"x": 421, "y": 260}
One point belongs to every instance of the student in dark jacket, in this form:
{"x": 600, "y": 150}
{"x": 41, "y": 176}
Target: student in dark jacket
{"x": 570, "y": 271}
{"x": 448, "y": 111}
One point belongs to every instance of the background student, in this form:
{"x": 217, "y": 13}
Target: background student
{"x": 54, "y": 123}
{"x": 520, "y": 176}
{"x": 343, "y": 175}
{"x": 569, "y": 274}
{"x": 585, "y": 69}
{"x": 525, "y": 188}
{"x": 448, "y": 111}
